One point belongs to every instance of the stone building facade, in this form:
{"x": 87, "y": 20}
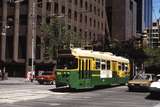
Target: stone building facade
{"x": 20, "y": 22}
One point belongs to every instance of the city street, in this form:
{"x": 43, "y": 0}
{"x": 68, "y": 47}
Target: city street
{"x": 26, "y": 94}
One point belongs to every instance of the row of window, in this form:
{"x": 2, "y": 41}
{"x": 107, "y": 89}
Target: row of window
{"x": 107, "y": 66}
{"x": 89, "y": 8}
{"x": 82, "y": 16}
{"x": 81, "y": 2}
{"x": 88, "y": 35}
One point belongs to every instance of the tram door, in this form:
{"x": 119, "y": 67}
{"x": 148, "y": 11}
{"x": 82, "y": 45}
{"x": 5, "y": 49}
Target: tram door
{"x": 103, "y": 70}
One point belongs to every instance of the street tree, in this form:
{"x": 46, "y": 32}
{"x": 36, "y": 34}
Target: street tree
{"x": 153, "y": 61}
{"x": 55, "y": 35}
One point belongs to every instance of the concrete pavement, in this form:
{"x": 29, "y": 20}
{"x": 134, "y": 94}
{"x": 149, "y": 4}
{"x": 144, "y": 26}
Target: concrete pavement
{"x": 16, "y": 81}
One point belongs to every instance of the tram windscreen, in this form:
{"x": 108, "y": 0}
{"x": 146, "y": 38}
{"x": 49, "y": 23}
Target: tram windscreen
{"x": 67, "y": 62}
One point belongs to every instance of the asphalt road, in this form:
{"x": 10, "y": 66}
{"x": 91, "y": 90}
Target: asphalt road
{"x": 34, "y": 95}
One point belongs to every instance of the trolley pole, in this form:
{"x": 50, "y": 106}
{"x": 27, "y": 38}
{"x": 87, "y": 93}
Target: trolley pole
{"x": 33, "y": 37}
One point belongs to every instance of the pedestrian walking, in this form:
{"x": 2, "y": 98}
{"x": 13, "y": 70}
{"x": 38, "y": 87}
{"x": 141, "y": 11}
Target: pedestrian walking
{"x": 3, "y": 73}
{"x": 32, "y": 76}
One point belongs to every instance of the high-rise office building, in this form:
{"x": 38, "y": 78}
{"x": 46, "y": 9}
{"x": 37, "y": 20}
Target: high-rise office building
{"x": 148, "y": 5}
{"x": 144, "y": 15}
{"x": 121, "y": 16}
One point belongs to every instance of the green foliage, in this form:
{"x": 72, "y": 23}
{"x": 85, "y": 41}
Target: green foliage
{"x": 127, "y": 49}
{"x": 153, "y": 56}
{"x": 56, "y": 36}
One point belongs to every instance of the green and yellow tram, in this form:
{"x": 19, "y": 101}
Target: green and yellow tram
{"x": 81, "y": 69}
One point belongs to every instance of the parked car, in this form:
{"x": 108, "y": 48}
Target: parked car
{"x": 141, "y": 82}
{"x": 155, "y": 86}
{"x": 46, "y": 78}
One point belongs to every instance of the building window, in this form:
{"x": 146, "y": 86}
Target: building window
{"x": 38, "y": 48}
{"x": 63, "y": 9}
{"x": 22, "y": 47}
{"x": 90, "y": 21}
{"x": 75, "y": 16}
{"x": 81, "y": 3}
{"x": 0, "y": 3}
{"x": 80, "y": 31}
{"x": 98, "y": 25}
{"x": 99, "y": 1}
{"x": 56, "y": 8}
{"x": 94, "y": 23}
{"x": 95, "y": 10}
{"x": 70, "y": 1}
{"x": 48, "y": 6}
{"x": 86, "y": 19}
{"x": 69, "y": 27}
{"x": 75, "y": 2}
{"x": 102, "y": 26}
{"x": 98, "y": 12}
{"x": 81, "y": 18}
{"x": 69, "y": 13}
{"x": 39, "y": 3}
{"x": 39, "y": 19}
{"x": 86, "y": 5}
{"x": 75, "y": 29}
{"x": 102, "y": 14}
{"x": 90, "y": 8}
{"x": 48, "y": 20}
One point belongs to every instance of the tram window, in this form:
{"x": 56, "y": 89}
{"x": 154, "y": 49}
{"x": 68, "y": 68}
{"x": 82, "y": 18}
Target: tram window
{"x": 108, "y": 65}
{"x": 65, "y": 62}
{"x": 79, "y": 64}
{"x": 86, "y": 64}
{"x": 126, "y": 67}
{"x": 103, "y": 60}
{"x": 123, "y": 66}
{"x": 83, "y": 68}
{"x": 97, "y": 64}
{"x": 89, "y": 65}
{"x": 119, "y": 66}
{"x": 103, "y": 67}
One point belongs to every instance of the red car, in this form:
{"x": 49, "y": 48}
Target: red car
{"x": 46, "y": 78}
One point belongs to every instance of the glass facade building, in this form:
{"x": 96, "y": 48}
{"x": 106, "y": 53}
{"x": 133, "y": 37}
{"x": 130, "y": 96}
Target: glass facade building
{"x": 148, "y": 4}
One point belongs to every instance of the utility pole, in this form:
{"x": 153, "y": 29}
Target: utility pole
{"x": 33, "y": 36}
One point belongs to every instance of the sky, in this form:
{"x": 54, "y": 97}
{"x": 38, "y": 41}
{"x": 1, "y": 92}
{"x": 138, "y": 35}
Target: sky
{"x": 156, "y": 9}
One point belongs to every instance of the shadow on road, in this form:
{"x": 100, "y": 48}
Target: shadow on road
{"x": 66, "y": 89}
{"x": 139, "y": 90}
{"x": 153, "y": 96}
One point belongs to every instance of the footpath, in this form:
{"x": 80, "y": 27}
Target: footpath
{"x": 16, "y": 81}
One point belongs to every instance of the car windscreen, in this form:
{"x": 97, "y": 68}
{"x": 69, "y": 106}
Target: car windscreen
{"x": 67, "y": 62}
